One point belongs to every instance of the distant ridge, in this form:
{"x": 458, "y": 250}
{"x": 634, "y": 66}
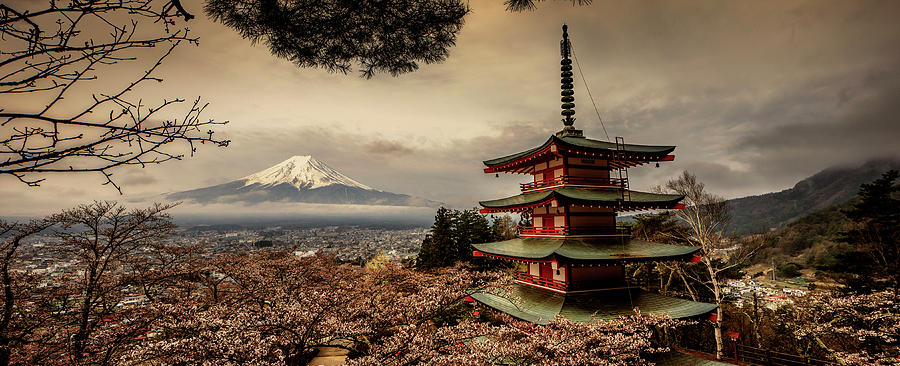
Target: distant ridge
{"x": 832, "y": 186}
{"x": 301, "y": 178}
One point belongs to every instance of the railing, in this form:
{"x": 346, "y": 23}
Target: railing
{"x": 574, "y": 230}
{"x": 578, "y": 285}
{"x": 540, "y": 281}
{"x": 758, "y": 356}
{"x": 607, "y": 182}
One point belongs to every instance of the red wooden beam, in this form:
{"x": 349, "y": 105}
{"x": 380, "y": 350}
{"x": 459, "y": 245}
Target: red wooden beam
{"x": 478, "y": 253}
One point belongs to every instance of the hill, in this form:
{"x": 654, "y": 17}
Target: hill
{"x": 832, "y": 186}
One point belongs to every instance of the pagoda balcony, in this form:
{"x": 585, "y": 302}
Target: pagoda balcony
{"x": 573, "y": 230}
{"x": 567, "y": 180}
{"x": 531, "y": 279}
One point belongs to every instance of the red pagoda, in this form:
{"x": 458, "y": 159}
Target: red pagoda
{"x": 572, "y": 259}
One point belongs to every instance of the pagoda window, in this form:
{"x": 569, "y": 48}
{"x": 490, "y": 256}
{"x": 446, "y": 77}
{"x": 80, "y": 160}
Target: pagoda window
{"x": 559, "y": 273}
{"x": 559, "y": 221}
{"x": 556, "y": 162}
{"x": 534, "y": 269}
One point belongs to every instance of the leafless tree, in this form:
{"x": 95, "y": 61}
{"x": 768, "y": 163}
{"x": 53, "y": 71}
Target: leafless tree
{"x": 16, "y": 319}
{"x": 706, "y": 216}
{"x": 50, "y": 55}
{"x": 107, "y": 243}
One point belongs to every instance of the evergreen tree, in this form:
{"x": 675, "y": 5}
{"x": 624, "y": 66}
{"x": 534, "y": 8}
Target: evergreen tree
{"x": 452, "y": 236}
{"x": 436, "y": 244}
{"x": 504, "y": 227}
{"x": 471, "y": 228}
{"x": 875, "y": 232}
{"x": 661, "y": 227}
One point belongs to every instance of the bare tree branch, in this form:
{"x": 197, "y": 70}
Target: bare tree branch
{"x": 47, "y": 53}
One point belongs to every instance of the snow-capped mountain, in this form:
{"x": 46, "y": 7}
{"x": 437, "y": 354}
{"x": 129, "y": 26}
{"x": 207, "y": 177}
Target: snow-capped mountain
{"x": 303, "y": 172}
{"x": 301, "y": 178}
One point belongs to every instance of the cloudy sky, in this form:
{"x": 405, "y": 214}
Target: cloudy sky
{"x": 756, "y": 95}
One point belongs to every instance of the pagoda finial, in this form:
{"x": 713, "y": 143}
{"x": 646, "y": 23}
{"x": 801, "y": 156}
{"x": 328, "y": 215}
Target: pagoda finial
{"x": 568, "y": 95}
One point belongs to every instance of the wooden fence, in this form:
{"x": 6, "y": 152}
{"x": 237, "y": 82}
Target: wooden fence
{"x": 757, "y": 356}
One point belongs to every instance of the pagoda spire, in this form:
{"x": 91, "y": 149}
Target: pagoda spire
{"x": 568, "y": 95}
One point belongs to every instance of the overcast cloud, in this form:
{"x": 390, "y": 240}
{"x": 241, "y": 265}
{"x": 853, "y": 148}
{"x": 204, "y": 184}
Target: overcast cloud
{"x": 756, "y": 95}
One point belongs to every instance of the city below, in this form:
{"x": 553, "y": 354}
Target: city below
{"x": 354, "y": 244}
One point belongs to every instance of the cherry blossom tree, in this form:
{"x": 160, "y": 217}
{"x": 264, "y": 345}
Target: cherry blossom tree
{"x": 625, "y": 341}
{"x": 856, "y": 329}
{"x": 277, "y": 308}
{"x": 119, "y": 259}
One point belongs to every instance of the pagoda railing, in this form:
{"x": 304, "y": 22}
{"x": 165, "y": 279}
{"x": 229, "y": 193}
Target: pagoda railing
{"x": 603, "y": 182}
{"x": 541, "y": 281}
{"x": 574, "y": 230}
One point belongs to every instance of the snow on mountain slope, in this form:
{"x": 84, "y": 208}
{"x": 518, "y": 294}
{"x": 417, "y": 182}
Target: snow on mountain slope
{"x": 303, "y": 172}
{"x": 299, "y": 179}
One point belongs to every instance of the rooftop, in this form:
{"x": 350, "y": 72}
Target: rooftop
{"x": 610, "y": 197}
{"x": 651, "y": 152}
{"x": 540, "y": 307}
{"x": 594, "y": 250}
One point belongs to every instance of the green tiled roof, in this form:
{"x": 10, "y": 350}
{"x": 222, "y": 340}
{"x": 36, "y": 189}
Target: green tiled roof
{"x": 586, "y": 249}
{"x": 540, "y": 306}
{"x": 584, "y": 195}
{"x": 585, "y": 144}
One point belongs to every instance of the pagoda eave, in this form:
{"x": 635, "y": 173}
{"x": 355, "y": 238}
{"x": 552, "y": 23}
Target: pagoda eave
{"x": 541, "y": 307}
{"x": 563, "y": 196}
{"x": 584, "y": 251}
{"x": 630, "y": 156}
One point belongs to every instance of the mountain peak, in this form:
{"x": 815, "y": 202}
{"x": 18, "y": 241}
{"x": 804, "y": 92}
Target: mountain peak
{"x": 299, "y": 159}
{"x": 303, "y": 172}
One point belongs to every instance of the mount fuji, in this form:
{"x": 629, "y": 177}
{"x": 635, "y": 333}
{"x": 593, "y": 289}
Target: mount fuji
{"x": 301, "y": 178}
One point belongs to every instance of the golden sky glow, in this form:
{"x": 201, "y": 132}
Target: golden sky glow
{"x": 756, "y": 94}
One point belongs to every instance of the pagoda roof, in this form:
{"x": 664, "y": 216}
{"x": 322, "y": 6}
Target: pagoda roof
{"x": 643, "y": 153}
{"x": 541, "y": 306}
{"x": 594, "y": 250}
{"x": 607, "y": 197}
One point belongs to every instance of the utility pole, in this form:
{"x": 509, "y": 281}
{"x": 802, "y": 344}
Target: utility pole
{"x": 773, "y": 268}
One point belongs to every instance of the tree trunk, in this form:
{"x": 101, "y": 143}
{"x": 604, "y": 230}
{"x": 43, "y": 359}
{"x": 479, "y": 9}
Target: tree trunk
{"x": 8, "y": 299}
{"x": 717, "y": 325}
{"x": 669, "y": 282}
{"x": 687, "y": 285}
